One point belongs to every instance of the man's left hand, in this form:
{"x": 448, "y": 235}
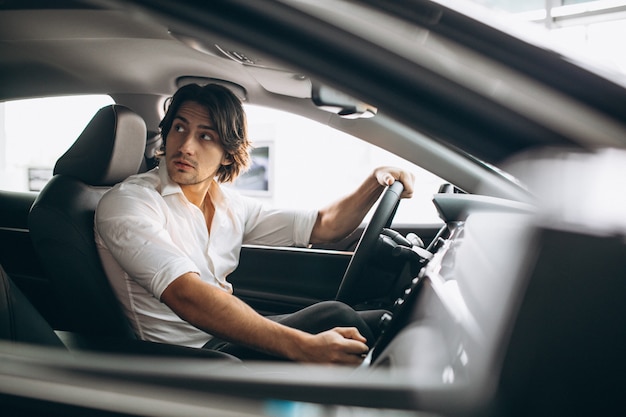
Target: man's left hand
{"x": 388, "y": 175}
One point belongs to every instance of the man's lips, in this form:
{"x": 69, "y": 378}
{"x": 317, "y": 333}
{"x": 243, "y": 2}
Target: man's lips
{"x": 181, "y": 164}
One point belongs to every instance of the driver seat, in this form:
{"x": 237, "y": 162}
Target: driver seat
{"x": 61, "y": 221}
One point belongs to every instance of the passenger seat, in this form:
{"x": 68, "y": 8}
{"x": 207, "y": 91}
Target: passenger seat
{"x": 19, "y": 320}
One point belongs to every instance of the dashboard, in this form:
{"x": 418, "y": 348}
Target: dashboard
{"x": 450, "y": 323}
{"x": 521, "y": 307}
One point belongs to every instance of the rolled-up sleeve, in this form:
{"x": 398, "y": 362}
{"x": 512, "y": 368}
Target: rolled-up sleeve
{"x": 131, "y": 222}
{"x": 266, "y": 226}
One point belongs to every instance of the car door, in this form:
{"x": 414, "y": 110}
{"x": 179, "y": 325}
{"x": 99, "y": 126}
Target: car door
{"x": 282, "y": 280}
{"x": 17, "y": 255}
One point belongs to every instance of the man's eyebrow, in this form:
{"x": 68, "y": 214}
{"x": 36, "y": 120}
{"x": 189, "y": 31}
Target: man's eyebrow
{"x": 206, "y": 127}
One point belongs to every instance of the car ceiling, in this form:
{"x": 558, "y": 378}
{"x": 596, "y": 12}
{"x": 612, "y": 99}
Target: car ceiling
{"x": 70, "y": 47}
{"x": 100, "y": 44}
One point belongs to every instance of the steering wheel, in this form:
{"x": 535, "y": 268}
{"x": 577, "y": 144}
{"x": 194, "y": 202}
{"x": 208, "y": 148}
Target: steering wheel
{"x": 365, "y": 247}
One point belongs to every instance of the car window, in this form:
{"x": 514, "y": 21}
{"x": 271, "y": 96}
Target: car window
{"x": 304, "y": 164}
{"x": 34, "y": 133}
{"x": 297, "y": 162}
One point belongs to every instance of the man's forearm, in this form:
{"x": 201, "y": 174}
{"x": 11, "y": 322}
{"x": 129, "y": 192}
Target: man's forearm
{"x": 341, "y": 218}
{"x": 228, "y": 318}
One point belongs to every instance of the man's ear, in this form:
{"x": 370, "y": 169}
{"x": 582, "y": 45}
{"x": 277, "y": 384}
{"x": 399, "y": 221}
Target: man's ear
{"x": 227, "y": 159}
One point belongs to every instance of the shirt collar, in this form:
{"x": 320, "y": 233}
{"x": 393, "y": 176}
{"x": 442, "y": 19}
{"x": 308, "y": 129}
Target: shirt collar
{"x": 217, "y": 195}
{"x": 169, "y": 187}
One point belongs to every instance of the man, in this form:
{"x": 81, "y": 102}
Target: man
{"x": 169, "y": 238}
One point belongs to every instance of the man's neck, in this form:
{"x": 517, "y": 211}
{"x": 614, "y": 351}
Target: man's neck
{"x": 196, "y": 193}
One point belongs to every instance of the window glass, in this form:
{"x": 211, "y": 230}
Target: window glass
{"x": 513, "y": 6}
{"x": 517, "y": 6}
{"x": 587, "y": 27}
{"x": 598, "y": 40}
{"x": 300, "y": 163}
{"x": 297, "y": 162}
{"x": 577, "y": 1}
{"x": 34, "y": 133}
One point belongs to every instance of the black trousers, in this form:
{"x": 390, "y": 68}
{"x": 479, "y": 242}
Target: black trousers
{"x": 313, "y": 319}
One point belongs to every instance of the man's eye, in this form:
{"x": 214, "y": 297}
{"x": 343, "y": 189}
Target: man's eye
{"x": 206, "y": 137}
{"x": 179, "y": 128}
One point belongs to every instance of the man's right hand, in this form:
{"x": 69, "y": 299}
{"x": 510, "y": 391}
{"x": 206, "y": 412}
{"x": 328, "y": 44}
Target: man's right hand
{"x": 341, "y": 345}
{"x": 227, "y": 317}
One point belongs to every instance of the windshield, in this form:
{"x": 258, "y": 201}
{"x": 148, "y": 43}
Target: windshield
{"x": 592, "y": 26}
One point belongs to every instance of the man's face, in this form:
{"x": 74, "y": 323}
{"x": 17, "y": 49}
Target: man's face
{"x": 193, "y": 149}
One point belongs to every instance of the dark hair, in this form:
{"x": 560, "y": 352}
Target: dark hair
{"x": 228, "y": 118}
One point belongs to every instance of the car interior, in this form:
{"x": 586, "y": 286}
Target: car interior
{"x": 512, "y": 304}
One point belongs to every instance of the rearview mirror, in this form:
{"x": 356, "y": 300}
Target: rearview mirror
{"x": 334, "y": 101}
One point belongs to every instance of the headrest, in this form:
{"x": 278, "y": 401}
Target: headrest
{"x": 109, "y": 149}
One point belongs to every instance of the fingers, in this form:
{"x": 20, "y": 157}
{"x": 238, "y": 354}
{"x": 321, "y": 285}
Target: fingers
{"x": 356, "y": 348}
{"x": 350, "y": 359}
{"x": 350, "y": 333}
{"x": 407, "y": 179}
{"x": 384, "y": 175}
{"x": 341, "y": 345}
{"x": 351, "y": 347}
{"x": 388, "y": 175}
{"x": 386, "y": 179}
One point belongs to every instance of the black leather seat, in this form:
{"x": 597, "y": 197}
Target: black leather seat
{"x": 109, "y": 149}
{"x": 19, "y": 320}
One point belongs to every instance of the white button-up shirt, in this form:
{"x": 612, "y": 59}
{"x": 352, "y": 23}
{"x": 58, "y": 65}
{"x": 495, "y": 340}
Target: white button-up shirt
{"x": 148, "y": 234}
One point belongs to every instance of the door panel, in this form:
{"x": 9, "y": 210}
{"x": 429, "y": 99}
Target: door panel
{"x": 18, "y": 257}
{"x": 282, "y": 280}
{"x": 16, "y": 251}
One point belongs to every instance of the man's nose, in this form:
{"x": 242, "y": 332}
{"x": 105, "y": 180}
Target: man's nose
{"x": 187, "y": 144}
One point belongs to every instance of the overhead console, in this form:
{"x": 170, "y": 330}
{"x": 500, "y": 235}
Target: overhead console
{"x": 274, "y": 76}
